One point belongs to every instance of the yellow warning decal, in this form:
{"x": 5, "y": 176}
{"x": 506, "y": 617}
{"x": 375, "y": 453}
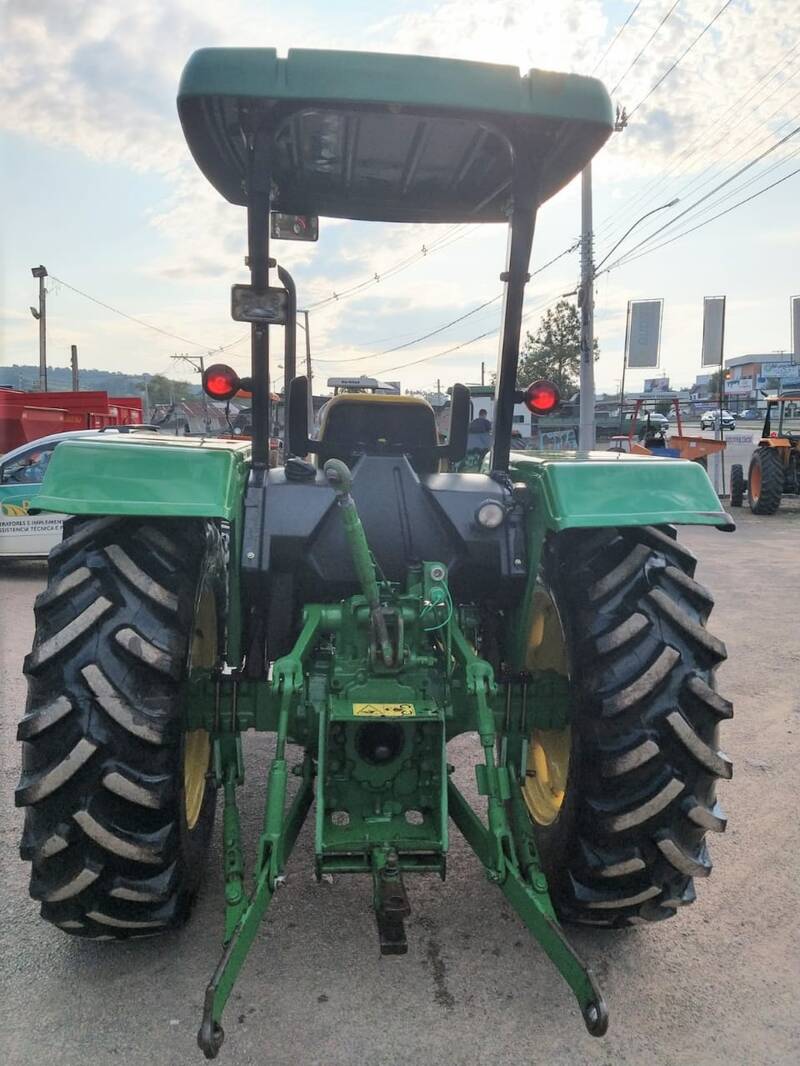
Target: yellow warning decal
{"x": 384, "y": 710}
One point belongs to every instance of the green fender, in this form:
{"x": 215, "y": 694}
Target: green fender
{"x": 154, "y": 476}
{"x": 587, "y": 490}
{"x": 575, "y": 490}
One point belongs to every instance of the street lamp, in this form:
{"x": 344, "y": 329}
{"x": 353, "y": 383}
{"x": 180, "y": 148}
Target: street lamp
{"x": 632, "y": 228}
{"x": 40, "y": 272}
{"x": 590, "y": 271}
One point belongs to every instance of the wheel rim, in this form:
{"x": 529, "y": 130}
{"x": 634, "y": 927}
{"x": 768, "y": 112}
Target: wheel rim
{"x": 755, "y": 482}
{"x": 546, "y": 773}
{"x": 197, "y": 743}
{"x": 549, "y": 750}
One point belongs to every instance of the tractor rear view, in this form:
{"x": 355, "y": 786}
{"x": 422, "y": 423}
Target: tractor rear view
{"x": 775, "y": 466}
{"x": 366, "y": 601}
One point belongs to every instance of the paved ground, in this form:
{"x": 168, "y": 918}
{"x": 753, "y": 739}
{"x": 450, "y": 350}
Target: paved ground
{"x": 716, "y": 985}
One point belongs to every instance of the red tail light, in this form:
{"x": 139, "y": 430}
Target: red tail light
{"x": 220, "y": 382}
{"x": 541, "y": 397}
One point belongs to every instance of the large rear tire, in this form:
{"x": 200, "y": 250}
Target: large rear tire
{"x": 119, "y": 808}
{"x": 765, "y": 481}
{"x": 634, "y": 798}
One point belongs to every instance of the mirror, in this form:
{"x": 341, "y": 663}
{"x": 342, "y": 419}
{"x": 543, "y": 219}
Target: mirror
{"x": 297, "y": 418}
{"x": 294, "y": 227}
{"x": 459, "y": 423}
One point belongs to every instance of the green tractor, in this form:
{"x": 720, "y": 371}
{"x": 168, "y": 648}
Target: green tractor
{"x": 366, "y": 602}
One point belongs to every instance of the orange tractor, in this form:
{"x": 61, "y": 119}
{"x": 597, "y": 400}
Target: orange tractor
{"x": 775, "y": 466}
{"x": 648, "y": 434}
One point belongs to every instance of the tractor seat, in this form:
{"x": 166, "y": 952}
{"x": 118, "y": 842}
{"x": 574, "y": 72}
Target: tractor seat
{"x": 354, "y": 424}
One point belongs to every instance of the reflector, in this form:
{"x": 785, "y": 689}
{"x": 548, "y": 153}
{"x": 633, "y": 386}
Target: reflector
{"x": 220, "y": 382}
{"x": 541, "y": 397}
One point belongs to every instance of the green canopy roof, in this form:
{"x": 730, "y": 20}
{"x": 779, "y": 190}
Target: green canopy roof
{"x": 393, "y": 138}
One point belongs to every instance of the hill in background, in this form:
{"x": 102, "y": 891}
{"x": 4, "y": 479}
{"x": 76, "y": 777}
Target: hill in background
{"x": 59, "y": 379}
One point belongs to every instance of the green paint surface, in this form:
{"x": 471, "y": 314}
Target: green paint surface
{"x": 596, "y": 489}
{"x": 163, "y": 477}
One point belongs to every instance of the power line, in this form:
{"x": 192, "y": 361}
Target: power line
{"x": 444, "y": 241}
{"x": 714, "y": 169}
{"x": 473, "y": 340}
{"x": 646, "y": 46}
{"x": 724, "y": 129}
{"x": 680, "y": 58}
{"x": 615, "y": 38}
{"x": 745, "y": 184}
{"x": 141, "y": 321}
{"x": 440, "y": 329}
{"x": 695, "y": 183}
{"x": 708, "y": 195}
{"x": 416, "y": 340}
{"x": 624, "y": 260}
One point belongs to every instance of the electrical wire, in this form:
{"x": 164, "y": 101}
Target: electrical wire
{"x": 615, "y": 38}
{"x": 696, "y": 183}
{"x": 680, "y": 58}
{"x": 714, "y": 171}
{"x": 628, "y": 258}
{"x": 700, "y": 145}
{"x": 445, "y": 240}
{"x": 440, "y": 329}
{"x": 416, "y": 340}
{"x": 141, "y": 321}
{"x": 646, "y": 46}
{"x": 572, "y": 247}
{"x": 745, "y": 184}
{"x": 708, "y": 195}
{"x": 549, "y": 301}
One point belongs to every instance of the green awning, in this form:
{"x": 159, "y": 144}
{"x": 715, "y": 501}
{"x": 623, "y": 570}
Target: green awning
{"x": 392, "y": 138}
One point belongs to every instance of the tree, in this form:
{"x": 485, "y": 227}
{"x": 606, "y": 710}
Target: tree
{"x": 161, "y": 389}
{"x": 554, "y": 351}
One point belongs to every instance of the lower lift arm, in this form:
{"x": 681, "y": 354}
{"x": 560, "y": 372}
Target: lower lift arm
{"x": 515, "y": 870}
{"x": 243, "y": 914}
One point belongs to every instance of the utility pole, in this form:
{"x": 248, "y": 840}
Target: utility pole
{"x": 438, "y": 389}
{"x": 483, "y": 373}
{"x": 73, "y": 362}
{"x": 586, "y": 421}
{"x": 40, "y": 272}
{"x": 308, "y": 373}
{"x": 198, "y": 363}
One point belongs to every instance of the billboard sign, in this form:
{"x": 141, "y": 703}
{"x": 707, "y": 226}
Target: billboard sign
{"x": 643, "y": 341}
{"x": 713, "y": 330}
{"x": 739, "y": 386}
{"x": 656, "y": 385}
{"x": 777, "y": 372}
{"x": 796, "y": 328}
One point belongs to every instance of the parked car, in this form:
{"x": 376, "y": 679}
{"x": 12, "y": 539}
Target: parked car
{"x": 658, "y": 422}
{"x": 709, "y": 419}
{"x": 22, "y": 534}
{"x": 751, "y": 414}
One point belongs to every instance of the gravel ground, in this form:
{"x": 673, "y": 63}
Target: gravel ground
{"x": 716, "y": 985}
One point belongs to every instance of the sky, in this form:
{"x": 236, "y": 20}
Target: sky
{"x": 98, "y": 185}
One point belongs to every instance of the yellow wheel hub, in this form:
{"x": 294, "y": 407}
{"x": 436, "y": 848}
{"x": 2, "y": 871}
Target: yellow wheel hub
{"x": 196, "y": 757}
{"x": 549, "y": 750}
{"x": 546, "y": 773}
{"x": 197, "y": 744}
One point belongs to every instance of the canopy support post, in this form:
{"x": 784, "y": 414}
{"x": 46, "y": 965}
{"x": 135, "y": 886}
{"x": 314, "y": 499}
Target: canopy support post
{"x": 515, "y": 276}
{"x": 290, "y": 330}
{"x": 259, "y": 182}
